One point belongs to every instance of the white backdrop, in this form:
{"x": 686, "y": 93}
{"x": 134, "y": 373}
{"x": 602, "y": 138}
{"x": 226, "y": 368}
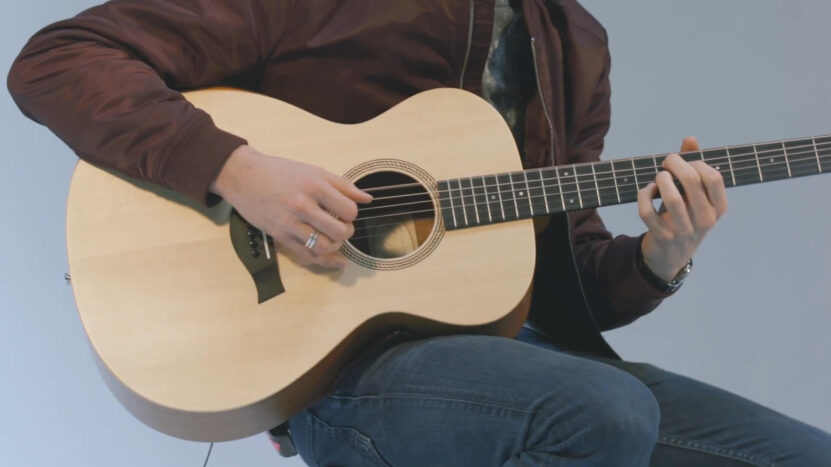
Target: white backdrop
{"x": 753, "y": 317}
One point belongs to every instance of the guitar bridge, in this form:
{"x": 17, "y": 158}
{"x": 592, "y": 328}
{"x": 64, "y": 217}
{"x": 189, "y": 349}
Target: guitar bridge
{"x": 256, "y": 251}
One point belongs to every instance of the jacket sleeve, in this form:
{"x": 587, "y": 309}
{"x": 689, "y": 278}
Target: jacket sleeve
{"x": 615, "y": 288}
{"x": 105, "y": 82}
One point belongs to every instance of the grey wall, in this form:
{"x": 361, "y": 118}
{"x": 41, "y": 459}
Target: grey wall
{"x": 753, "y": 318}
{"x": 755, "y": 315}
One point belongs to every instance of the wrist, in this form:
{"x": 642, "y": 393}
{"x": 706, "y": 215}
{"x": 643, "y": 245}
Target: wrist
{"x": 229, "y": 175}
{"x": 663, "y": 265}
{"x": 664, "y": 282}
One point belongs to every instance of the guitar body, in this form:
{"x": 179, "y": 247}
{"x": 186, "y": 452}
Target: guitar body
{"x": 173, "y": 315}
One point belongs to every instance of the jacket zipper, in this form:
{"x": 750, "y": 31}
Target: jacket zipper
{"x": 551, "y": 134}
{"x": 469, "y": 45}
{"x": 552, "y": 138}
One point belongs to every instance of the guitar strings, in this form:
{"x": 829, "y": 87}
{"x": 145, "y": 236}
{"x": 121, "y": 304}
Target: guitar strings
{"x": 725, "y": 158}
{"x": 523, "y": 212}
{"x": 637, "y": 187}
{"x": 616, "y": 175}
{"x": 729, "y": 159}
{"x": 754, "y": 168}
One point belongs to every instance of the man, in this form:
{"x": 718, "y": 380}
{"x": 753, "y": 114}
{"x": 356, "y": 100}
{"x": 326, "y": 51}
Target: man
{"x": 106, "y": 83}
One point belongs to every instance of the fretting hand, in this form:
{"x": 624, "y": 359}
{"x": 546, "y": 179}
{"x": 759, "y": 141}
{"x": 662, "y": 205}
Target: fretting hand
{"x": 291, "y": 200}
{"x": 676, "y": 231}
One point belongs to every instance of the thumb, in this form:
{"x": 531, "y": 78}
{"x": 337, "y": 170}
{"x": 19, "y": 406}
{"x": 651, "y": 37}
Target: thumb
{"x": 690, "y": 144}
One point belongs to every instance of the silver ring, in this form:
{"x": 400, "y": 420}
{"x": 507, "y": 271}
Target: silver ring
{"x": 312, "y": 241}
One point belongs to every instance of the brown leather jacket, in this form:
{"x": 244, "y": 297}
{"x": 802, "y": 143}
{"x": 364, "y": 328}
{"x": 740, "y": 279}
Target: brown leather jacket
{"x": 106, "y": 83}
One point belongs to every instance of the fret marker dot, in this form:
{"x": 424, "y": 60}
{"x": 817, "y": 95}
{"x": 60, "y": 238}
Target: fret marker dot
{"x": 565, "y": 173}
{"x": 771, "y": 159}
{"x": 571, "y": 200}
{"x": 521, "y": 193}
{"x": 493, "y": 196}
{"x": 718, "y": 167}
{"x": 626, "y": 180}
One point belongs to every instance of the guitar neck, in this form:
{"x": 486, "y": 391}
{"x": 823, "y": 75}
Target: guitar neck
{"x": 489, "y": 199}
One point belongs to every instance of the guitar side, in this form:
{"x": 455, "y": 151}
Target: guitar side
{"x": 172, "y": 314}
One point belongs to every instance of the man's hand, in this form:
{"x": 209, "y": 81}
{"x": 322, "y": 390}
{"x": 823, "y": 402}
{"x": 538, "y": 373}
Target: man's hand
{"x": 683, "y": 221}
{"x": 289, "y": 200}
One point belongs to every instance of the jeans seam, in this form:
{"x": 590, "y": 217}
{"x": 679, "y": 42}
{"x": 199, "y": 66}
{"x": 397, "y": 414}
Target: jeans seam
{"x": 730, "y": 453}
{"x": 369, "y": 445}
{"x": 409, "y": 396}
{"x": 311, "y": 438}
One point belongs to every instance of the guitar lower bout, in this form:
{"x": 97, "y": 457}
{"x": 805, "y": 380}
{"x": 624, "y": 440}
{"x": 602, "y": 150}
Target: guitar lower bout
{"x": 206, "y": 330}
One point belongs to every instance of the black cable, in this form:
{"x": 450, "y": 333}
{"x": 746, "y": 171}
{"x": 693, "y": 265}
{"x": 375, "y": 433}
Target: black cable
{"x": 210, "y": 448}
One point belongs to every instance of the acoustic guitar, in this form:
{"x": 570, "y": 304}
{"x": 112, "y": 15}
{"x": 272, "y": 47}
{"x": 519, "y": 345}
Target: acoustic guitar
{"x": 204, "y": 329}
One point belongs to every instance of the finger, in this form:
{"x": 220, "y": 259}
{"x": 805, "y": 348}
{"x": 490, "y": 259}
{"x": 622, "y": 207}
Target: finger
{"x": 690, "y": 143}
{"x": 348, "y": 188}
{"x": 302, "y": 232}
{"x": 714, "y": 184}
{"x": 332, "y": 227}
{"x": 646, "y": 210}
{"x": 338, "y": 204}
{"x": 307, "y": 257}
{"x": 700, "y": 206}
{"x": 674, "y": 203}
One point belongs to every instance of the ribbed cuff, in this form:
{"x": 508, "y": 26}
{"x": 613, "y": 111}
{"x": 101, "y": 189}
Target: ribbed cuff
{"x": 196, "y": 157}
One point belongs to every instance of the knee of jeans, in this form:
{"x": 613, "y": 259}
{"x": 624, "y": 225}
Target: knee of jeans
{"x": 625, "y": 416}
{"x": 614, "y": 417}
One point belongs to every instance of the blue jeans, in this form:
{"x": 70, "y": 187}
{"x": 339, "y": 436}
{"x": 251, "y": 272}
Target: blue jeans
{"x": 490, "y": 401}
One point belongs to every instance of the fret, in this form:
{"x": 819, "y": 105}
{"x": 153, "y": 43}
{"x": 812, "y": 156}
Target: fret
{"x": 520, "y": 189}
{"x": 728, "y": 182}
{"x": 551, "y": 182}
{"x": 743, "y": 161}
{"x": 536, "y": 190}
{"x": 528, "y": 192}
{"x": 816, "y": 153}
{"x": 457, "y": 202}
{"x": 494, "y": 199}
{"x": 802, "y": 157}
{"x": 446, "y": 205}
{"x": 506, "y": 197}
{"x": 691, "y": 156}
{"x": 758, "y": 166}
{"x": 614, "y": 179}
{"x": 787, "y": 160}
{"x": 720, "y": 159}
{"x": 635, "y": 175}
{"x": 596, "y": 185}
{"x": 480, "y": 197}
{"x": 824, "y": 153}
{"x": 483, "y": 208}
{"x": 772, "y": 162}
{"x": 625, "y": 180}
{"x": 606, "y": 188}
{"x": 469, "y": 202}
{"x": 569, "y": 188}
{"x": 587, "y": 184}
{"x": 646, "y": 169}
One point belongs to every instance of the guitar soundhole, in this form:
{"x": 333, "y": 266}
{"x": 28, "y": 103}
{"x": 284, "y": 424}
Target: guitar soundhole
{"x": 399, "y": 220}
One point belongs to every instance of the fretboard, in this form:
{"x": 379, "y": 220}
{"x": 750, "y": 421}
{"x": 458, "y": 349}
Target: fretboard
{"x": 488, "y": 199}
